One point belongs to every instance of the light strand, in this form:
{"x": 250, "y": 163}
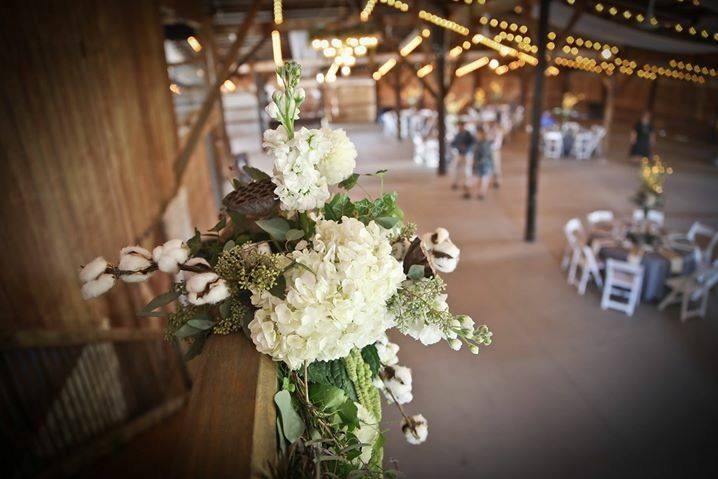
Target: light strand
{"x": 443, "y": 22}
{"x": 278, "y": 15}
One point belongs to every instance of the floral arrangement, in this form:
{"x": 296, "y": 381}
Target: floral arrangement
{"x": 654, "y": 173}
{"x": 315, "y": 280}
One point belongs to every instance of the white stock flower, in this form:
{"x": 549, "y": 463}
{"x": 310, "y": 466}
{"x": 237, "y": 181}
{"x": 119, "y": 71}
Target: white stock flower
{"x": 340, "y": 161}
{"x": 299, "y": 95}
{"x": 367, "y": 433}
{"x": 455, "y": 344}
{"x": 397, "y": 384}
{"x": 95, "y": 281}
{"x": 387, "y": 351}
{"x": 416, "y": 429}
{"x": 443, "y": 252}
{"x": 136, "y": 260}
{"x": 206, "y": 288}
{"x": 272, "y": 110}
{"x": 171, "y": 255}
{"x": 336, "y": 302}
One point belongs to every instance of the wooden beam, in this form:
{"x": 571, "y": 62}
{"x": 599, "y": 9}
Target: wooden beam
{"x": 530, "y": 232}
{"x": 397, "y": 100}
{"x": 228, "y": 65}
{"x": 403, "y": 61}
{"x": 439, "y": 45}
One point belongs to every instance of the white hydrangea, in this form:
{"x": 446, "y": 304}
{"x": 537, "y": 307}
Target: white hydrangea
{"x": 429, "y": 333}
{"x": 336, "y": 301}
{"x": 415, "y": 429}
{"x": 340, "y": 161}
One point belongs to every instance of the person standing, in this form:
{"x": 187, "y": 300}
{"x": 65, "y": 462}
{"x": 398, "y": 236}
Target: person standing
{"x": 643, "y": 138}
{"x": 483, "y": 165}
{"x": 462, "y": 143}
{"x": 496, "y": 136}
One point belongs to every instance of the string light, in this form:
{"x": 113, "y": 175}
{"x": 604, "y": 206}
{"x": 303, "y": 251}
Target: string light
{"x": 469, "y": 67}
{"x": 344, "y": 51}
{"x": 384, "y": 69}
{"x": 277, "y": 48}
{"x": 367, "y": 10}
{"x": 404, "y": 7}
{"x": 278, "y": 16}
{"x": 443, "y": 22}
{"x": 425, "y": 70}
{"x": 194, "y": 43}
{"x": 411, "y": 45}
{"x": 228, "y": 86}
{"x": 331, "y": 75}
{"x": 174, "y": 88}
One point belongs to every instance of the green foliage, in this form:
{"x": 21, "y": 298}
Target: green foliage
{"x": 158, "y": 302}
{"x": 349, "y": 182}
{"x": 256, "y": 174}
{"x": 332, "y": 373}
{"x": 360, "y": 374}
{"x": 383, "y": 210}
{"x": 328, "y": 398}
{"x": 416, "y": 271}
{"x": 371, "y": 357}
{"x": 276, "y": 227}
{"x": 292, "y": 424}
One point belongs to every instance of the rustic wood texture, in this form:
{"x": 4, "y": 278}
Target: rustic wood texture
{"x": 235, "y": 436}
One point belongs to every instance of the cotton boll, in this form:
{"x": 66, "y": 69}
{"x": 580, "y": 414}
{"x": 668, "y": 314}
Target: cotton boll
{"x": 206, "y": 288}
{"x": 443, "y": 252}
{"x": 96, "y": 287}
{"x": 171, "y": 255}
{"x": 135, "y": 259}
{"x": 93, "y": 269}
{"x": 416, "y": 429}
{"x": 397, "y": 384}
{"x": 387, "y": 351}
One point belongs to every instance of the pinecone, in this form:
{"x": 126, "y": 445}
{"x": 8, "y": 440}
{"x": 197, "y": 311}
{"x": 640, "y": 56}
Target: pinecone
{"x": 255, "y": 200}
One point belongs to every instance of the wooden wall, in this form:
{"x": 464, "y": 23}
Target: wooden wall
{"x": 87, "y": 139}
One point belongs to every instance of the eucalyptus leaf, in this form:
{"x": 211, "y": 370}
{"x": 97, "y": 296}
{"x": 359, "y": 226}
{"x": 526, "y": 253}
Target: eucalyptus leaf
{"x": 229, "y": 245}
{"x": 255, "y": 173}
{"x": 292, "y": 424}
{"x": 350, "y": 182}
{"x": 280, "y": 287}
{"x": 220, "y": 225}
{"x": 387, "y": 222}
{"x": 416, "y": 271}
{"x": 186, "y": 331}
{"x": 201, "y": 324}
{"x": 293, "y": 235}
{"x": 159, "y": 301}
{"x": 276, "y": 227}
{"x": 197, "y": 346}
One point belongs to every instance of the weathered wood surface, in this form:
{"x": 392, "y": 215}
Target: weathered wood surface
{"x": 229, "y": 428}
{"x": 41, "y": 338}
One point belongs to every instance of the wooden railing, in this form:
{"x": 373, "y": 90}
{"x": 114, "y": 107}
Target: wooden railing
{"x": 68, "y": 396}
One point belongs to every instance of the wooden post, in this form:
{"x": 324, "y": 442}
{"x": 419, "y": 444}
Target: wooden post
{"x": 608, "y": 107}
{"x": 530, "y": 233}
{"x": 259, "y": 83}
{"x": 397, "y": 100}
{"x": 439, "y": 50}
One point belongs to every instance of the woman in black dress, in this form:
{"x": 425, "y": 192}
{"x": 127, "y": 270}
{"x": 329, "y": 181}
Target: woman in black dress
{"x": 642, "y": 137}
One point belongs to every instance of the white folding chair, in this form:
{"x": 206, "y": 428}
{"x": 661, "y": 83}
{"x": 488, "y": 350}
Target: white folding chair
{"x": 623, "y": 286}
{"x": 573, "y": 230}
{"x": 583, "y": 145}
{"x": 590, "y": 269}
{"x": 654, "y": 216}
{"x": 418, "y": 142}
{"x": 431, "y": 152}
{"x": 552, "y": 144}
{"x": 692, "y": 292}
{"x": 599, "y": 216}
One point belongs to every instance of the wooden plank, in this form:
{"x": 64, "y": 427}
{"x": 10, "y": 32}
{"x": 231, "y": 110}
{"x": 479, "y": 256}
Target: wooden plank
{"x": 229, "y": 428}
{"x": 43, "y": 338}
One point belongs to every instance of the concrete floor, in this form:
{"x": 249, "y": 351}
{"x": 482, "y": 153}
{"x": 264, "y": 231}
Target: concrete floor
{"x": 566, "y": 390}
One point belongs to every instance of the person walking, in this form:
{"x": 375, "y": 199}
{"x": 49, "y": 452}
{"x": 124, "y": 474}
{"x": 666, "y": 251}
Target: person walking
{"x": 643, "y": 138}
{"x": 483, "y": 166}
{"x": 462, "y": 143}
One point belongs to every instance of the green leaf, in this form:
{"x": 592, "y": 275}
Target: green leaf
{"x": 255, "y": 173}
{"x": 280, "y": 287}
{"x": 370, "y": 356}
{"x": 350, "y": 182}
{"x": 328, "y": 397}
{"x": 338, "y": 207}
{"x": 201, "y": 324}
{"x": 332, "y": 373}
{"x": 197, "y": 346}
{"x": 292, "y": 424}
{"x": 229, "y": 245}
{"x": 195, "y": 242}
{"x": 224, "y": 309}
{"x": 161, "y": 300}
{"x": 387, "y": 222}
{"x": 220, "y": 225}
{"x": 276, "y": 227}
{"x": 416, "y": 271}
{"x": 348, "y": 414}
{"x": 307, "y": 224}
{"x": 293, "y": 235}
{"x": 186, "y": 331}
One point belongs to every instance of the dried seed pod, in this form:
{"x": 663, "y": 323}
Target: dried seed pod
{"x": 255, "y": 200}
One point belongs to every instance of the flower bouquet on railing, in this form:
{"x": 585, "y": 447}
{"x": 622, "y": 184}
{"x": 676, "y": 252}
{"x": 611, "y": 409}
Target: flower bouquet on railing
{"x": 649, "y": 196}
{"x": 315, "y": 280}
